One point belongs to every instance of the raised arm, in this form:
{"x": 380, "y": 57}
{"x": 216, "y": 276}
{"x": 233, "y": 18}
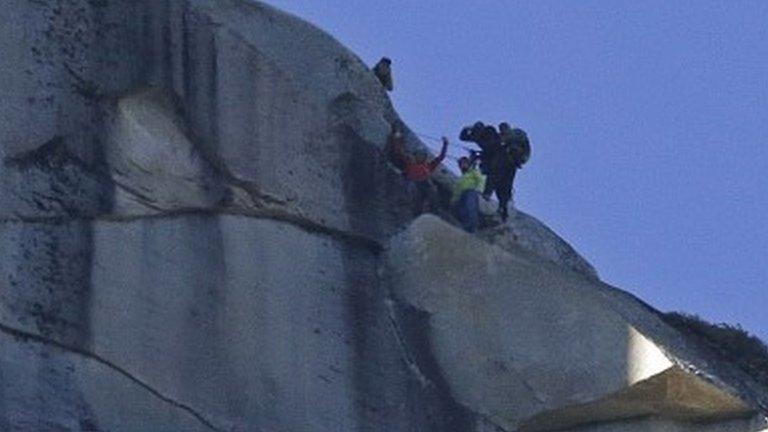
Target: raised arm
{"x": 439, "y": 159}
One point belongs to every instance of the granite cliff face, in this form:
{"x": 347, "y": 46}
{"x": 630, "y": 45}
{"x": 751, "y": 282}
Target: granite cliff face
{"x": 195, "y": 225}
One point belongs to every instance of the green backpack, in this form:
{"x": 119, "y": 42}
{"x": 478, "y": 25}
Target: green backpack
{"x": 518, "y": 147}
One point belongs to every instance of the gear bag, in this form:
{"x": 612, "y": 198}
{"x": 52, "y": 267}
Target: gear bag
{"x": 518, "y": 147}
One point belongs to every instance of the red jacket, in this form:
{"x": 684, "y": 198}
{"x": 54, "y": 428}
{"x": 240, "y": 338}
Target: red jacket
{"x": 414, "y": 171}
{"x": 421, "y": 171}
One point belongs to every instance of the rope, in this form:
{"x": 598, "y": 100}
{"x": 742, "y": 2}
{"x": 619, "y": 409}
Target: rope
{"x": 428, "y": 137}
{"x": 435, "y": 139}
{"x": 440, "y": 140}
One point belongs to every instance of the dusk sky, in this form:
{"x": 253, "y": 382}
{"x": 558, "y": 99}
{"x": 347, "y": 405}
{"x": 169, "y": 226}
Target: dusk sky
{"x": 648, "y": 120}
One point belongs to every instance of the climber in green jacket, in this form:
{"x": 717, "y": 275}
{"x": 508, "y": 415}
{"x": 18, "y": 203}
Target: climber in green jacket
{"x": 466, "y": 195}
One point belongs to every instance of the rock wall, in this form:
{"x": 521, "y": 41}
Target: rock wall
{"x": 533, "y": 346}
{"x": 191, "y": 222}
{"x": 193, "y": 208}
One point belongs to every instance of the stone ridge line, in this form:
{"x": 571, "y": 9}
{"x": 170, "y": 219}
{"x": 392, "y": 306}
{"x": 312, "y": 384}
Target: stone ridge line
{"x": 298, "y": 221}
{"x": 22, "y": 334}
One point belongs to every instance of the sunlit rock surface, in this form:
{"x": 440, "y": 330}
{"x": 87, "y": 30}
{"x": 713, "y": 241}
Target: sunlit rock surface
{"x": 194, "y": 202}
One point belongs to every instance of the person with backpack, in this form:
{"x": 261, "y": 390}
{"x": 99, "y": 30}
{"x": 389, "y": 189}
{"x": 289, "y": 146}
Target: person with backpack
{"x": 501, "y": 154}
{"x": 515, "y": 152}
{"x": 489, "y": 141}
{"x": 516, "y": 144}
{"x": 493, "y": 163}
{"x": 466, "y": 195}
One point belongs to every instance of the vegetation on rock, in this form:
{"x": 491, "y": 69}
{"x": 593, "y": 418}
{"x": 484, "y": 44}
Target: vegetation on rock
{"x": 732, "y": 343}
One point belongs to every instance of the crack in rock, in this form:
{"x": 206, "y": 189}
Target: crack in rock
{"x": 413, "y": 365}
{"x": 303, "y": 223}
{"x": 24, "y": 335}
{"x": 407, "y": 357}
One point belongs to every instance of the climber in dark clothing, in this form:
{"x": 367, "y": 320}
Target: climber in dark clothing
{"x": 489, "y": 142}
{"x": 484, "y": 136}
{"x": 516, "y": 150}
{"x": 501, "y": 177}
{"x": 416, "y": 167}
{"x": 383, "y": 71}
{"x": 493, "y": 163}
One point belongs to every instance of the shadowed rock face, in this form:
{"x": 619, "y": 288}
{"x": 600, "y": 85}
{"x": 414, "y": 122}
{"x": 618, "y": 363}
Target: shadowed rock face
{"x": 193, "y": 207}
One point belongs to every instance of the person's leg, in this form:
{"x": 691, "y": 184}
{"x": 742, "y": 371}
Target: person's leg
{"x": 472, "y": 209}
{"x": 488, "y": 189}
{"x": 504, "y": 193}
{"x": 504, "y": 184}
{"x": 488, "y": 172}
{"x": 424, "y": 196}
{"x": 512, "y": 188}
{"x": 462, "y": 210}
{"x": 458, "y": 211}
{"x": 414, "y": 196}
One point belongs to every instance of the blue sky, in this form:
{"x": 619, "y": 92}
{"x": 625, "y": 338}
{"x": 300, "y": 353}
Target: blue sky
{"x": 649, "y": 124}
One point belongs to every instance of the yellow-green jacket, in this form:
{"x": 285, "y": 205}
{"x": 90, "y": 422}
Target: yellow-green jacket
{"x": 472, "y": 179}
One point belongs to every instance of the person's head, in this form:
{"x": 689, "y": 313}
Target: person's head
{"x": 464, "y": 164}
{"x": 504, "y": 127}
{"x": 420, "y": 156}
{"x": 478, "y": 126}
{"x": 386, "y": 60}
{"x": 490, "y": 135}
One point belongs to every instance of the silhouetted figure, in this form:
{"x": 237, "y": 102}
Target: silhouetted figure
{"x": 383, "y": 71}
{"x": 493, "y": 163}
{"x": 516, "y": 150}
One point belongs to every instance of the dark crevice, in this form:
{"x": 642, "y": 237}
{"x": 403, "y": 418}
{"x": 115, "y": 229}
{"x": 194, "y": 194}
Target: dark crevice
{"x": 27, "y": 336}
{"x": 51, "y": 155}
{"x": 443, "y": 412}
{"x": 418, "y": 355}
{"x": 305, "y": 224}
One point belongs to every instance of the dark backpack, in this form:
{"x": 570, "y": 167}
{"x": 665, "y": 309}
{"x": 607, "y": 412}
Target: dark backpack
{"x": 518, "y": 147}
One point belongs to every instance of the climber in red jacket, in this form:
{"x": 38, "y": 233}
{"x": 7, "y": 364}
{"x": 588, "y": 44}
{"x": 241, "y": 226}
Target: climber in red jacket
{"x": 416, "y": 167}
